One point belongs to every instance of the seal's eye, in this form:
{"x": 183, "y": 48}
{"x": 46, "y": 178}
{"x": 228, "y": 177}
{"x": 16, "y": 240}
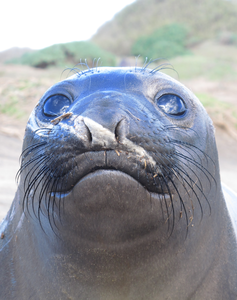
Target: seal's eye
{"x": 56, "y": 105}
{"x": 172, "y": 105}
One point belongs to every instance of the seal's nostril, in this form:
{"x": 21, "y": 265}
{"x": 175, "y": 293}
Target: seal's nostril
{"x": 116, "y": 131}
{"x": 82, "y": 131}
{"x": 120, "y": 130}
{"x": 89, "y": 134}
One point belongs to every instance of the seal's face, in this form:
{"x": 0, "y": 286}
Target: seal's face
{"x": 124, "y": 150}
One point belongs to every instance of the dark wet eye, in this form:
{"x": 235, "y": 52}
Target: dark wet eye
{"x": 172, "y": 105}
{"x": 56, "y": 105}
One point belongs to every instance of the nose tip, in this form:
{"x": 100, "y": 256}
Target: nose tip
{"x": 107, "y": 137}
{"x": 94, "y": 134}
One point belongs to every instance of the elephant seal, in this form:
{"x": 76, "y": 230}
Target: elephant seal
{"x": 119, "y": 195}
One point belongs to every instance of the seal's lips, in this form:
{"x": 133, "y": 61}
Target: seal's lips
{"x": 127, "y": 163}
{"x": 105, "y": 180}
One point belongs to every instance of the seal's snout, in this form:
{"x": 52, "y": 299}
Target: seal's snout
{"x": 94, "y": 134}
{"x": 108, "y": 134}
{"x": 104, "y": 122}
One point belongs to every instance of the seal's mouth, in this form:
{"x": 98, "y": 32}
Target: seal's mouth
{"x": 172, "y": 174}
{"x": 69, "y": 173}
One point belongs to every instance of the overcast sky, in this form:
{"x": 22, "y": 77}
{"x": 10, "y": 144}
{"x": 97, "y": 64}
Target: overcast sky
{"x": 38, "y": 24}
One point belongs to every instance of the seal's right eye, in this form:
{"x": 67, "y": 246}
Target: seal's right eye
{"x": 56, "y": 105}
{"x": 172, "y": 105}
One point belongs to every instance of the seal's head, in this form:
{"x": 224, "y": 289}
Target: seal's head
{"x": 117, "y": 155}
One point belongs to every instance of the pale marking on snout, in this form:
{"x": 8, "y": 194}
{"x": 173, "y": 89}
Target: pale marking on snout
{"x": 104, "y": 137}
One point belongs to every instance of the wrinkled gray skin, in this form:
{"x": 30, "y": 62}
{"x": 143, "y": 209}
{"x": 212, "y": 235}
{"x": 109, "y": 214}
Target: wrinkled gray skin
{"x": 122, "y": 233}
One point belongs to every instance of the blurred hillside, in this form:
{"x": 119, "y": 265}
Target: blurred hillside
{"x": 65, "y": 55}
{"x": 150, "y": 28}
{"x": 13, "y": 53}
{"x": 204, "y": 19}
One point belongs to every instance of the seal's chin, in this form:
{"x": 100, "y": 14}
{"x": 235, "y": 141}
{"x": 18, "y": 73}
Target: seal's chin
{"x": 112, "y": 207}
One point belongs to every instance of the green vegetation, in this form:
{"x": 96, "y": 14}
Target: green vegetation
{"x": 219, "y": 111}
{"x": 211, "y": 68}
{"x": 22, "y": 87}
{"x": 66, "y": 55}
{"x": 11, "y": 108}
{"x": 204, "y": 19}
{"x": 168, "y": 41}
{"x": 209, "y": 101}
{"x": 234, "y": 114}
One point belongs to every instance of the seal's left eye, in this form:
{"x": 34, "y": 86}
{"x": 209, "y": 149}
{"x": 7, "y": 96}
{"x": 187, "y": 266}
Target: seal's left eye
{"x": 56, "y": 105}
{"x": 172, "y": 105}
